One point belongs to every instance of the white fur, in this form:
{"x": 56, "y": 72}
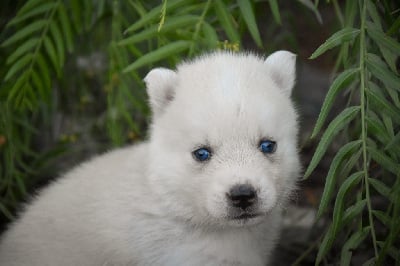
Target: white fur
{"x": 153, "y": 203}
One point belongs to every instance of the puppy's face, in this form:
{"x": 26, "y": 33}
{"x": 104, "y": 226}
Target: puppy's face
{"x": 223, "y": 146}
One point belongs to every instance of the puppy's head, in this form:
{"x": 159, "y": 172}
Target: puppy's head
{"x": 223, "y": 138}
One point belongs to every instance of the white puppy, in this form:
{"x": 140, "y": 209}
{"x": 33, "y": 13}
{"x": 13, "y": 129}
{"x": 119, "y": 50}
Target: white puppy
{"x": 207, "y": 188}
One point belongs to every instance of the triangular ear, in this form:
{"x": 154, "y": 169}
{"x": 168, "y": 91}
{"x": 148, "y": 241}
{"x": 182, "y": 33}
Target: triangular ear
{"x": 160, "y": 84}
{"x": 282, "y": 68}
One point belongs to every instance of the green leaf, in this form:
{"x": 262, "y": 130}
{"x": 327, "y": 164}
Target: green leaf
{"x": 334, "y": 127}
{"x": 58, "y": 39}
{"x": 378, "y": 68}
{"x": 21, "y": 184}
{"x": 250, "y": 19}
{"x": 378, "y": 90}
{"x": 34, "y": 12}
{"x": 51, "y": 52}
{"x": 386, "y": 47}
{"x": 187, "y": 23}
{"x": 392, "y": 251}
{"x": 338, "y": 212}
{"x": 382, "y": 104}
{"x": 353, "y": 211}
{"x": 193, "y": 9}
{"x": 76, "y": 8}
{"x": 17, "y": 92}
{"x": 163, "y": 15}
{"x": 140, "y": 9}
{"x": 377, "y": 129}
{"x": 389, "y": 56}
{"x": 210, "y": 35}
{"x": 17, "y": 87}
{"x": 66, "y": 27}
{"x": 332, "y": 173}
{"x": 25, "y": 47}
{"x": 338, "y": 84}
{"x": 44, "y": 71}
{"x": 26, "y": 31}
{"x": 18, "y": 66}
{"x": 38, "y": 84}
{"x": 383, "y": 160}
{"x": 161, "y": 53}
{"x": 88, "y": 9}
{"x": 382, "y": 217}
{"x": 275, "y": 10}
{"x": 394, "y": 96}
{"x": 29, "y": 5}
{"x": 349, "y": 163}
{"x": 172, "y": 24}
{"x": 351, "y": 8}
{"x": 22, "y": 102}
{"x": 325, "y": 245}
{"x": 394, "y": 28}
{"x": 225, "y": 19}
{"x": 373, "y": 12}
{"x": 340, "y": 37}
{"x": 351, "y": 244}
{"x": 394, "y": 141}
{"x": 310, "y": 5}
{"x": 381, "y": 188}
{"x": 153, "y": 14}
{"x": 330, "y": 235}
{"x": 387, "y": 121}
{"x": 381, "y": 38}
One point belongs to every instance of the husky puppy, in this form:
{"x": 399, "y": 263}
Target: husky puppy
{"x": 207, "y": 188}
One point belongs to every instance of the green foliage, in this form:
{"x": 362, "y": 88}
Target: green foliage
{"x": 41, "y": 80}
{"x": 365, "y": 167}
{"x": 46, "y": 74}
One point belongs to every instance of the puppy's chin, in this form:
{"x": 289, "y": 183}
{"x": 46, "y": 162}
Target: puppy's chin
{"x": 245, "y": 219}
{"x": 242, "y": 218}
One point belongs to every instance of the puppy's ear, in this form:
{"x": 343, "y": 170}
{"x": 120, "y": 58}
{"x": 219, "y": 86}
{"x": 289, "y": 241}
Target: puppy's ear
{"x": 160, "y": 83}
{"x": 282, "y": 68}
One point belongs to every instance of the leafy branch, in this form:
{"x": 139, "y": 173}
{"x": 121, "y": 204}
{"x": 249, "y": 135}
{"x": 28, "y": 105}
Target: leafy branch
{"x": 373, "y": 121}
{"x": 42, "y": 50}
{"x": 41, "y": 45}
{"x": 43, "y": 33}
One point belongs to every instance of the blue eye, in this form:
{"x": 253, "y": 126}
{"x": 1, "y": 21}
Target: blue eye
{"x": 267, "y": 146}
{"x": 202, "y": 154}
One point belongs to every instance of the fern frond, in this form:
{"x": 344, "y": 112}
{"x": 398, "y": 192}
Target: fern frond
{"x": 43, "y": 36}
{"x": 377, "y": 84}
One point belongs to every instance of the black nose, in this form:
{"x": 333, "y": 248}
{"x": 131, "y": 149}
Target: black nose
{"x": 242, "y": 196}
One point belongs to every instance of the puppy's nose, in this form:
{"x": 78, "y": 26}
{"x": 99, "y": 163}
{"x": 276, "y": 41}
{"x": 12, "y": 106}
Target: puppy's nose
{"x": 242, "y": 196}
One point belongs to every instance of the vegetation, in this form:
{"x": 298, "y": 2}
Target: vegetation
{"x": 71, "y": 75}
{"x": 56, "y": 97}
{"x": 367, "y": 165}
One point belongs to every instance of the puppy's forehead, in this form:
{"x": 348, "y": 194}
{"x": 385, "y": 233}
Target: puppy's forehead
{"x": 223, "y": 76}
{"x": 227, "y": 84}
{"x": 231, "y": 95}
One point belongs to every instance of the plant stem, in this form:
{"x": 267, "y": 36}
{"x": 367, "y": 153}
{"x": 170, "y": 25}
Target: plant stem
{"x": 163, "y": 14}
{"x": 363, "y": 80}
{"x": 338, "y": 13}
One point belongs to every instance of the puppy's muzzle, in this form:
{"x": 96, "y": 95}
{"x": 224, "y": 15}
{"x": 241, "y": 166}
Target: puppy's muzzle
{"x": 242, "y": 196}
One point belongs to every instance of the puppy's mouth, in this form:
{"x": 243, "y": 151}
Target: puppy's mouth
{"x": 245, "y": 216}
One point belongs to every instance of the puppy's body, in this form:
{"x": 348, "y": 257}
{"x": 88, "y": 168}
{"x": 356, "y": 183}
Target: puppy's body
{"x": 156, "y": 203}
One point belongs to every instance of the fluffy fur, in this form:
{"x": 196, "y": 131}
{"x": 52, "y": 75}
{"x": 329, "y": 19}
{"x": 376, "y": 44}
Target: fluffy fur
{"x": 154, "y": 203}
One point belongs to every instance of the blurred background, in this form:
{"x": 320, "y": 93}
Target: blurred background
{"x": 71, "y": 87}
